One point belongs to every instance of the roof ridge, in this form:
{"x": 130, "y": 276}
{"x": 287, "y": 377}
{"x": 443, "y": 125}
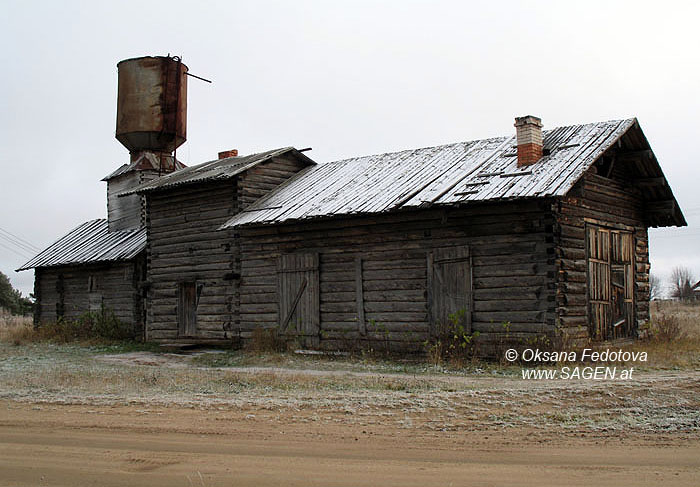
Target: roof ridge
{"x": 486, "y": 139}
{"x": 448, "y": 174}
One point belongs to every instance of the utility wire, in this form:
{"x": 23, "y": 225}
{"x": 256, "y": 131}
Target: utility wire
{"x": 18, "y": 245}
{"x": 20, "y": 240}
{"x": 16, "y": 252}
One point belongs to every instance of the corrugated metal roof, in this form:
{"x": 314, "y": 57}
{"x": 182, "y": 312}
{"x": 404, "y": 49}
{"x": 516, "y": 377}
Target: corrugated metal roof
{"x": 88, "y": 243}
{"x": 480, "y": 170}
{"x": 219, "y": 169}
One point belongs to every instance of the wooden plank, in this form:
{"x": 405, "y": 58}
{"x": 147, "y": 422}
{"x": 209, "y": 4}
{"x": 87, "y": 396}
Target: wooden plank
{"x": 450, "y": 289}
{"x": 359, "y": 297}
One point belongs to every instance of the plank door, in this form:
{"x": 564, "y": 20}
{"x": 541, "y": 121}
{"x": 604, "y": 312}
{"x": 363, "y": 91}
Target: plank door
{"x": 94, "y": 295}
{"x": 299, "y": 297}
{"x": 449, "y": 289}
{"x": 187, "y": 309}
{"x": 95, "y": 302}
{"x": 610, "y": 282}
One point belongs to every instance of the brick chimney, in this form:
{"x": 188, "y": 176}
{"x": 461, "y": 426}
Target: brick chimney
{"x": 528, "y": 130}
{"x": 228, "y": 153}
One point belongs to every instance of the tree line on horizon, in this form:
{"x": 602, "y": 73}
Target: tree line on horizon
{"x": 12, "y": 300}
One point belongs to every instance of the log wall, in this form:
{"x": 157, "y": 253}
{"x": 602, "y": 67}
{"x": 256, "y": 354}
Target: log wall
{"x": 71, "y": 291}
{"x": 382, "y": 260}
{"x": 609, "y": 203}
{"x": 186, "y": 245}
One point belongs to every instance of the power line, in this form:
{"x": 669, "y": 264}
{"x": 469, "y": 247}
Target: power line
{"x": 18, "y": 245}
{"x": 24, "y": 256}
{"x": 21, "y": 240}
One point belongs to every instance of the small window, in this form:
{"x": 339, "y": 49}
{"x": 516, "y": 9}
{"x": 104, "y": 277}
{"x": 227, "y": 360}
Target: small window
{"x": 92, "y": 283}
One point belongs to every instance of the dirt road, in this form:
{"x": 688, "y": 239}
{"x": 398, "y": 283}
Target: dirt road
{"x": 74, "y": 445}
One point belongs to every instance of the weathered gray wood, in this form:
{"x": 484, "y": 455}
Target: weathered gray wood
{"x": 450, "y": 289}
{"x": 395, "y": 273}
{"x": 71, "y": 291}
{"x": 299, "y": 297}
{"x": 359, "y": 297}
{"x": 608, "y": 203}
{"x": 185, "y": 245}
{"x": 187, "y": 309}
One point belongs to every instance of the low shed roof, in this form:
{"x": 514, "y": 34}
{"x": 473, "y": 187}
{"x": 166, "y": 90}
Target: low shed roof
{"x": 220, "y": 169}
{"x": 480, "y": 170}
{"x": 88, "y": 243}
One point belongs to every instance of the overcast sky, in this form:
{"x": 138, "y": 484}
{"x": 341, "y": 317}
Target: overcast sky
{"x": 346, "y": 78}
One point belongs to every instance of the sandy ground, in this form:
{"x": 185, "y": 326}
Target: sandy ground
{"x": 69, "y": 417}
{"x": 76, "y": 445}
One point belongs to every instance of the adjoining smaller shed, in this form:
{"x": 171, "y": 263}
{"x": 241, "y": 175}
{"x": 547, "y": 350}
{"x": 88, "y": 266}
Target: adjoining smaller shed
{"x": 90, "y": 269}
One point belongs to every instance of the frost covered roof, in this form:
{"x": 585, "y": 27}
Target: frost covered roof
{"x": 88, "y": 243}
{"x": 479, "y": 170}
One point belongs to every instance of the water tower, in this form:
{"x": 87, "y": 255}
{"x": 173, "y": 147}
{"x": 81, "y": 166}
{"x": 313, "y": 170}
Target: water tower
{"x": 152, "y": 107}
{"x": 152, "y": 124}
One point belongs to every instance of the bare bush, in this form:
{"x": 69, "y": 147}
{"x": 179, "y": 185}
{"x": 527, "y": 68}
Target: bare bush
{"x": 655, "y": 290}
{"x": 667, "y": 328}
{"x": 682, "y": 283}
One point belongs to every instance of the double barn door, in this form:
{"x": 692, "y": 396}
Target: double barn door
{"x": 610, "y": 282}
{"x": 449, "y": 287}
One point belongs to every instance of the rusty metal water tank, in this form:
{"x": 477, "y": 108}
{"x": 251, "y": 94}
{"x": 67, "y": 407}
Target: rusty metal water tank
{"x": 152, "y": 103}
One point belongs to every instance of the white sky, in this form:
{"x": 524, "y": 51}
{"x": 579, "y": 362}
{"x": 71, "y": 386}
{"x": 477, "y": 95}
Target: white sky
{"x": 346, "y": 78}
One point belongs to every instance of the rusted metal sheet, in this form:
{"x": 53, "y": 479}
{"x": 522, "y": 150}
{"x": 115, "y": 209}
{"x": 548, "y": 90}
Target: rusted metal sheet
{"x": 90, "y": 242}
{"x": 216, "y": 170}
{"x": 480, "y": 170}
{"x": 152, "y": 103}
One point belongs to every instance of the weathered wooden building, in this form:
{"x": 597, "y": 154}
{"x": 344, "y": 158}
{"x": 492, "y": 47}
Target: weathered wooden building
{"x": 90, "y": 269}
{"x": 542, "y": 233}
{"x": 537, "y": 234}
{"x": 193, "y": 267}
{"x": 101, "y": 264}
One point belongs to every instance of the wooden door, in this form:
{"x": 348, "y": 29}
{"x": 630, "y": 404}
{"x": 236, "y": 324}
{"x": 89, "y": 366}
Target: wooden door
{"x": 95, "y": 302}
{"x": 449, "y": 289}
{"x": 187, "y": 309}
{"x": 299, "y": 297}
{"x": 610, "y": 282}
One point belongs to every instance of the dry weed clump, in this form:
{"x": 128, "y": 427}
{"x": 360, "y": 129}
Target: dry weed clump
{"x": 15, "y": 329}
{"x": 267, "y": 340}
{"x": 674, "y": 335}
{"x": 91, "y": 326}
{"x": 687, "y": 315}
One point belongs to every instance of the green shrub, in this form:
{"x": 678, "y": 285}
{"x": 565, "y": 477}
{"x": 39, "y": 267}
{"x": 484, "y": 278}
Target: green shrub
{"x": 453, "y": 343}
{"x": 101, "y": 324}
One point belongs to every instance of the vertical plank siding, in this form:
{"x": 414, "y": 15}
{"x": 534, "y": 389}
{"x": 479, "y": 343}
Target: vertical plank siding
{"x": 603, "y": 203}
{"x": 512, "y": 257}
{"x": 125, "y": 212}
{"x": 69, "y": 291}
